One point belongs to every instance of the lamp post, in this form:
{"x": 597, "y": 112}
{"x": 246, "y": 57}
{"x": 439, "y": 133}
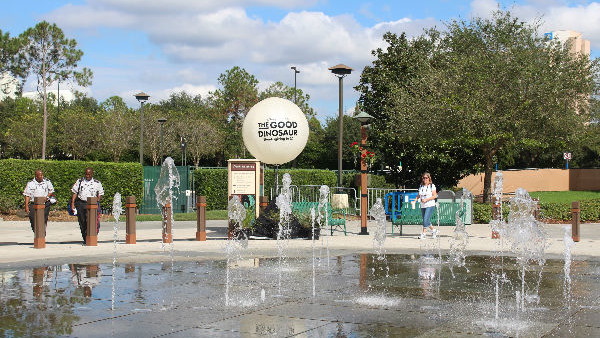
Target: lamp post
{"x": 183, "y": 159}
{"x": 364, "y": 119}
{"x": 142, "y": 97}
{"x": 296, "y": 71}
{"x": 162, "y": 121}
{"x": 340, "y": 71}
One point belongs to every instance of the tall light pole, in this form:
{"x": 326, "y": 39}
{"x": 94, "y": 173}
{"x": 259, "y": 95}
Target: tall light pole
{"x": 162, "y": 121}
{"x": 364, "y": 119}
{"x": 183, "y": 159}
{"x": 142, "y": 97}
{"x": 340, "y": 71}
{"x": 296, "y": 71}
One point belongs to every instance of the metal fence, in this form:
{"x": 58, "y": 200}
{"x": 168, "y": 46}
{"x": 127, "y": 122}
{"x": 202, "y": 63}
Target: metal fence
{"x": 182, "y": 196}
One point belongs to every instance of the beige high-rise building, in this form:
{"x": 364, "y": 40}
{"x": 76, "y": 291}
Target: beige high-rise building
{"x": 576, "y": 42}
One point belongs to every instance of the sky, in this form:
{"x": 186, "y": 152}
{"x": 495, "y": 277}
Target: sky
{"x": 162, "y": 47}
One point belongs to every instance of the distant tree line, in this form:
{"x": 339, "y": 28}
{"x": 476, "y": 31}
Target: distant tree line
{"x": 480, "y": 93}
{"x": 85, "y": 129}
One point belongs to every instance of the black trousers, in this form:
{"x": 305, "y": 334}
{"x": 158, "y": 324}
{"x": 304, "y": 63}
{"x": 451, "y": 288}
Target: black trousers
{"x": 46, "y": 213}
{"x": 82, "y": 211}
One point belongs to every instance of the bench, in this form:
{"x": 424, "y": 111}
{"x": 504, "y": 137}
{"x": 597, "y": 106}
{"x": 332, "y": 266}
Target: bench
{"x": 336, "y": 218}
{"x": 407, "y": 215}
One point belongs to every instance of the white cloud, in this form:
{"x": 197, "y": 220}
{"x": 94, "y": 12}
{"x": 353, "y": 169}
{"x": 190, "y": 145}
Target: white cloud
{"x": 483, "y": 8}
{"x": 554, "y": 16}
{"x": 201, "y": 39}
{"x": 201, "y": 90}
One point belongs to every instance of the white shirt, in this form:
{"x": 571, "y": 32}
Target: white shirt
{"x": 426, "y": 191}
{"x": 91, "y": 188}
{"x": 38, "y": 189}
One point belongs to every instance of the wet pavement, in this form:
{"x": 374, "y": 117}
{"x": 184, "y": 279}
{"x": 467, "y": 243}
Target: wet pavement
{"x": 181, "y": 290}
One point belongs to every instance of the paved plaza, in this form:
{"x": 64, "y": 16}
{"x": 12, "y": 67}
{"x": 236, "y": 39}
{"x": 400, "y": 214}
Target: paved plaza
{"x": 64, "y": 243}
{"x": 336, "y": 288}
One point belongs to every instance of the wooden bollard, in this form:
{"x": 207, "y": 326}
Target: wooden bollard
{"x": 264, "y": 202}
{"x": 575, "y": 219}
{"x": 496, "y": 214}
{"x": 91, "y": 239}
{"x": 130, "y": 237}
{"x": 536, "y": 208}
{"x": 129, "y": 268}
{"x": 39, "y": 224}
{"x": 38, "y": 279}
{"x": 167, "y": 236}
{"x": 362, "y": 279}
{"x": 201, "y": 218}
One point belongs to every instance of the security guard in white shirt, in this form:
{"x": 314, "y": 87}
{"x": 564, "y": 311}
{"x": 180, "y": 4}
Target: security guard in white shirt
{"x": 38, "y": 187}
{"x": 82, "y": 189}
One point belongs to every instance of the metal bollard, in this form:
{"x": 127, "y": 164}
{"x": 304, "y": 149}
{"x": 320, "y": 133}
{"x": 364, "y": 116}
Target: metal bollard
{"x": 130, "y": 237}
{"x": 91, "y": 239}
{"x": 496, "y": 215}
{"x": 575, "y": 220}
{"x": 201, "y": 218}
{"x": 167, "y": 236}
{"x": 264, "y": 202}
{"x": 39, "y": 226}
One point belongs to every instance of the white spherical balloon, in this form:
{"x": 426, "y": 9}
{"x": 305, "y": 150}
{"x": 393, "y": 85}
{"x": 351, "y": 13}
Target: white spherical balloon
{"x": 275, "y": 131}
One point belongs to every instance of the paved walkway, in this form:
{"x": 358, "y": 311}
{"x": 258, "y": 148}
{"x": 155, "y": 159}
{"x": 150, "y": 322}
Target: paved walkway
{"x": 63, "y": 243}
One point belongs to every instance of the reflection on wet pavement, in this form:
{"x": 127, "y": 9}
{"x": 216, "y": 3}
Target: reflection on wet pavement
{"x": 411, "y": 296}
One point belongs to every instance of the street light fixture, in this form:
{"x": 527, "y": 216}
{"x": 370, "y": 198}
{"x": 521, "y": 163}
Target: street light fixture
{"x": 162, "y": 121}
{"x": 183, "y": 154}
{"x": 296, "y": 71}
{"x": 340, "y": 71}
{"x": 142, "y": 97}
{"x": 364, "y": 120}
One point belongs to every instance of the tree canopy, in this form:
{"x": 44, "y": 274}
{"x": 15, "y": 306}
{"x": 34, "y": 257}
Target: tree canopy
{"x": 52, "y": 57}
{"x": 481, "y": 89}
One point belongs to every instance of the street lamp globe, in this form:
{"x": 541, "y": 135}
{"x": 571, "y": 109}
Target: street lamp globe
{"x": 340, "y": 71}
{"x": 142, "y": 97}
{"x": 363, "y": 118}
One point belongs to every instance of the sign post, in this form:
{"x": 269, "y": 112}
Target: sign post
{"x": 243, "y": 176}
{"x": 567, "y": 157}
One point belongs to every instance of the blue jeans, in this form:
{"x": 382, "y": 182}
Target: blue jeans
{"x": 426, "y": 212}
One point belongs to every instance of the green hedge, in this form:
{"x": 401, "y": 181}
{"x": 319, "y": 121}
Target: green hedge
{"x": 482, "y": 212}
{"x": 124, "y": 178}
{"x": 590, "y": 211}
{"x": 212, "y": 183}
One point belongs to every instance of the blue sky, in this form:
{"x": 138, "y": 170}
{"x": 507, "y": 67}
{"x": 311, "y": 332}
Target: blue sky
{"x": 161, "y": 47}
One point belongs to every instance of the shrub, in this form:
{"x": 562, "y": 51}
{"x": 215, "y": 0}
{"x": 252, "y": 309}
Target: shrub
{"x": 125, "y": 178}
{"x": 558, "y": 212}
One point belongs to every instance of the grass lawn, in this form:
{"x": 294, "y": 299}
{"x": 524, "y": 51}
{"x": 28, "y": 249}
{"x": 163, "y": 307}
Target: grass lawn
{"x": 564, "y": 196}
{"x": 210, "y": 215}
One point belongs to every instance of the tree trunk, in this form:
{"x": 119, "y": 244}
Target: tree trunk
{"x": 44, "y": 103}
{"x": 487, "y": 179}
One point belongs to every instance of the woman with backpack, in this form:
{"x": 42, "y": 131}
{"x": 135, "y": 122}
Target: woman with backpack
{"x": 427, "y": 197}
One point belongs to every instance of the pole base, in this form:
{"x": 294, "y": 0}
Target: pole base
{"x": 91, "y": 240}
{"x": 363, "y": 231}
{"x": 39, "y": 243}
{"x": 495, "y": 235}
{"x": 575, "y": 238}
{"x": 130, "y": 239}
{"x": 201, "y": 235}
{"x": 167, "y": 238}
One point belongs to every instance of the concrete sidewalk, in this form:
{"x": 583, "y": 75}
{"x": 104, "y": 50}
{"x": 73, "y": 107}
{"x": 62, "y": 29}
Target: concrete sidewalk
{"x": 64, "y": 243}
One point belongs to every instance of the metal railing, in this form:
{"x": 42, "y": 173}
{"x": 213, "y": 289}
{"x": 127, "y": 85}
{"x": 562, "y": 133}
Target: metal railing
{"x": 311, "y": 193}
